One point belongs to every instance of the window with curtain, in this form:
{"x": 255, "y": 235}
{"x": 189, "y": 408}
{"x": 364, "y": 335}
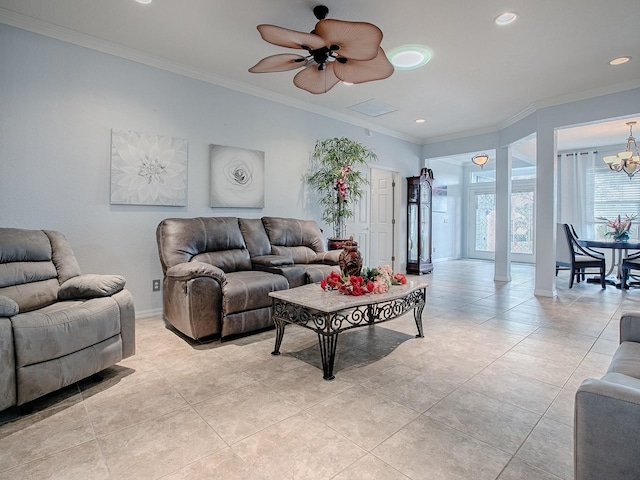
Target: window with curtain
{"x": 614, "y": 194}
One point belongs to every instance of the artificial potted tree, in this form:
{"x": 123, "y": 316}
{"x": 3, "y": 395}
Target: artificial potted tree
{"x": 335, "y": 176}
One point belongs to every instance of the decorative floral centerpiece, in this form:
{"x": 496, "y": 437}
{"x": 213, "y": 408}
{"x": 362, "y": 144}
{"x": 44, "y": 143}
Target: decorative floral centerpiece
{"x": 372, "y": 280}
{"x": 620, "y": 228}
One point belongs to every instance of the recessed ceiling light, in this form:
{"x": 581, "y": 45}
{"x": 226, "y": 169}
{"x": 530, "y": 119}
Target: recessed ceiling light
{"x": 420, "y": 120}
{"x": 505, "y": 18}
{"x": 409, "y": 57}
{"x": 144, "y": 2}
{"x": 347, "y": 83}
{"x": 619, "y": 60}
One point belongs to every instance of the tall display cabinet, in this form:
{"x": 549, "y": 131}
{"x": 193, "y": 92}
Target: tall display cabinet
{"x": 419, "y": 246}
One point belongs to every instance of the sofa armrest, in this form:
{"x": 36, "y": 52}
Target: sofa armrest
{"x": 191, "y": 270}
{"x": 8, "y": 307}
{"x": 271, "y": 261}
{"x": 8, "y": 391}
{"x": 630, "y": 327}
{"x": 328, "y": 258}
{"x": 90, "y": 286}
{"x": 606, "y": 436}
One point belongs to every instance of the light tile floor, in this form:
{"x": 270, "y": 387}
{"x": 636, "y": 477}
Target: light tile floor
{"x": 487, "y": 394}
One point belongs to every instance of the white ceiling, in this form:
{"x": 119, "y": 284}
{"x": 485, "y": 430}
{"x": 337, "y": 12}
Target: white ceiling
{"x": 481, "y": 78}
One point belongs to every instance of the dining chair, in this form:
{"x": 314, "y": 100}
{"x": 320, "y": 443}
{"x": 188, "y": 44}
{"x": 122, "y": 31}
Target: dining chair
{"x": 570, "y": 254}
{"x": 631, "y": 262}
{"x": 563, "y": 254}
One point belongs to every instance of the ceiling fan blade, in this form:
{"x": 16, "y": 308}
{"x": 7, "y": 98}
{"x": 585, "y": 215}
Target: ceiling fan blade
{"x": 316, "y": 81}
{"x": 290, "y": 38}
{"x": 356, "y": 71}
{"x": 357, "y": 40}
{"x": 279, "y": 63}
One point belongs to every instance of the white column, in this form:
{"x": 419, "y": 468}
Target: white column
{"x": 546, "y": 177}
{"x": 503, "y": 215}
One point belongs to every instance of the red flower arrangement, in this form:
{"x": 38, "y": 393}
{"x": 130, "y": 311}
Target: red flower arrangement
{"x": 372, "y": 280}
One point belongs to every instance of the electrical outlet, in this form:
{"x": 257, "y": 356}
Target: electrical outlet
{"x": 155, "y": 285}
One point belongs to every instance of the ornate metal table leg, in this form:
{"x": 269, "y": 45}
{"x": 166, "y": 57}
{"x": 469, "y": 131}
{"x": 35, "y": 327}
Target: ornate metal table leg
{"x": 328, "y": 340}
{"x": 280, "y": 324}
{"x": 417, "y": 314}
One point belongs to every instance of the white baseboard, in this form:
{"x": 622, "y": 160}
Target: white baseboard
{"x": 155, "y": 312}
{"x": 445, "y": 259}
{"x": 501, "y": 279}
{"x": 545, "y": 293}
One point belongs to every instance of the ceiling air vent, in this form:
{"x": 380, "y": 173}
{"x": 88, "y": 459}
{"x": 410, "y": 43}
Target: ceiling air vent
{"x": 373, "y": 108}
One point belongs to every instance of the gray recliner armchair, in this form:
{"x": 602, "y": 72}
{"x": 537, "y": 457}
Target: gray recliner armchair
{"x": 57, "y": 326}
{"x": 607, "y": 414}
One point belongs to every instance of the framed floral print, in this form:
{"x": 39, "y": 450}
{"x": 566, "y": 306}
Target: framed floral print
{"x": 148, "y": 169}
{"x": 237, "y": 177}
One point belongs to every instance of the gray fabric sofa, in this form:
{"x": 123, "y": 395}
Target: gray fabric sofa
{"x": 607, "y": 414}
{"x": 57, "y": 326}
{"x": 219, "y": 271}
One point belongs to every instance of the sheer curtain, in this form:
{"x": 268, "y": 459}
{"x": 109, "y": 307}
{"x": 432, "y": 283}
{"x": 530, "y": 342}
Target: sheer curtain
{"x": 575, "y": 191}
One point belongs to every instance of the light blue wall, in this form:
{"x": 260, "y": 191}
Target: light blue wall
{"x": 58, "y": 104}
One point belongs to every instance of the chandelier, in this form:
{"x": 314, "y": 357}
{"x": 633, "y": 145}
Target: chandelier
{"x": 627, "y": 161}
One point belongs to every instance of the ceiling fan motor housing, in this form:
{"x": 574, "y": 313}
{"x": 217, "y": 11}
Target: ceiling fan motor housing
{"x": 320, "y": 11}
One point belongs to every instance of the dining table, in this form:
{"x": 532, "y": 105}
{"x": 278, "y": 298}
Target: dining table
{"x": 619, "y": 251}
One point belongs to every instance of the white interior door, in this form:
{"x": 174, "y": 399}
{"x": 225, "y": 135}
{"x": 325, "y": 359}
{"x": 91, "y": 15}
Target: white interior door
{"x": 358, "y": 226}
{"x": 383, "y": 193}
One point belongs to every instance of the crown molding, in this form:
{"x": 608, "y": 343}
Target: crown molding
{"x": 80, "y": 39}
{"x": 517, "y": 117}
{"x": 586, "y": 94}
{"x": 458, "y": 135}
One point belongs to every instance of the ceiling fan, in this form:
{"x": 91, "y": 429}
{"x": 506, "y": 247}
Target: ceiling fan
{"x": 337, "y": 50}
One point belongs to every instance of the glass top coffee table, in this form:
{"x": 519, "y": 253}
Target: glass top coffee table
{"x": 328, "y": 313}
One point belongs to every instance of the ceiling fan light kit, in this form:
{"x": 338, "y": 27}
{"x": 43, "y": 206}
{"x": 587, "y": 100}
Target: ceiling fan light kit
{"x": 337, "y": 51}
{"x": 481, "y": 159}
{"x": 409, "y": 57}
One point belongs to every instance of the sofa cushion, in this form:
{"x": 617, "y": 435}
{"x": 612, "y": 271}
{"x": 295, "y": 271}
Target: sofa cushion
{"x": 255, "y": 236}
{"x": 62, "y": 256}
{"x": 271, "y": 261}
{"x": 226, "y": 260}
{"x": 33, "y": 263}
{"x": 298, "y": 254}
{"x": 63, "y": 328}
{"x": 8, "y": 307}
{"x": 28, "y": 275}
{"x": 91, "y": 286}
{"x": 214, "y": 240}
{"x": 626, "y": 360}
{"x": 250, "y": 290}
{"x": 292, "y": 231}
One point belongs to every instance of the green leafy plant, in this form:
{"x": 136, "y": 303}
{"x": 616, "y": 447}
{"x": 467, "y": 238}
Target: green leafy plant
{"x": 335, "y": 176}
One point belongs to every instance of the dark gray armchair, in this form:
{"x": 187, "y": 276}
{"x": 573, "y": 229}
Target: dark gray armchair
{"x": 57, "y": 326}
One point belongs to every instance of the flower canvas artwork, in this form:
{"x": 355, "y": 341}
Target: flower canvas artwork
{"x": 237, "y": 177}
{"x": 148, "y": 169}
